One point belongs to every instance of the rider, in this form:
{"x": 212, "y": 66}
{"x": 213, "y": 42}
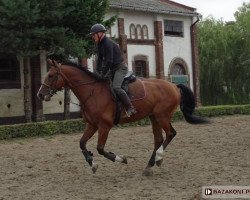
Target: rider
{"x": 111, "y": 63}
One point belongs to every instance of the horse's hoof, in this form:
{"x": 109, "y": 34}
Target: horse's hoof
{"x": 147, "y": 172}
{"x": 124, "y": 160}
{"x": 94, "y": 168}
{"x": 159, "y": 162}
{"x": 121, "y": 159}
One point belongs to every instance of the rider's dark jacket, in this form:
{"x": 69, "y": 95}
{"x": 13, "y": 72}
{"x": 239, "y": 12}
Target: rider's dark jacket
{"x": 109, "y": 56}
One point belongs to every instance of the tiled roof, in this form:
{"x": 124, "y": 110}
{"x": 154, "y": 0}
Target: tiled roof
{"x": 155, "y": 6}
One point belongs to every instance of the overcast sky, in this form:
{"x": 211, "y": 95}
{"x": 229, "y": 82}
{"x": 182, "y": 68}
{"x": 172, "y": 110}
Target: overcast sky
{"x": 224, "y": 9}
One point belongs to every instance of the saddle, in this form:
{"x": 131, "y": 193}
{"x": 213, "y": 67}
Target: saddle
{"x": 129, "y": 78}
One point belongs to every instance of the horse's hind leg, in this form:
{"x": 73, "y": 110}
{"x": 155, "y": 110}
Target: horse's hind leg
{"x": 158, "y": 140}
{"x": 170, "y": 134}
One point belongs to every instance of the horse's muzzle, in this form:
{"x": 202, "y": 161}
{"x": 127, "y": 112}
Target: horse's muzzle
{"x": 47, "y": 97}
{"x": 42, "y": 97}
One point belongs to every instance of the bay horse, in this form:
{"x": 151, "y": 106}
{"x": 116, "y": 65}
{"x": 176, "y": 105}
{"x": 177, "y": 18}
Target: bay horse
{"x": 98, "y": 108}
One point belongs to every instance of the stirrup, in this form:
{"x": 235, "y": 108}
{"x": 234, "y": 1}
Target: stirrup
{"x": 130, "y": 111}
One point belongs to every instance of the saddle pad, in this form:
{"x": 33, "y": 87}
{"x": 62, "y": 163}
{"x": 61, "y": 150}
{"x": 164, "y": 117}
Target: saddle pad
{"x": 136, "y": 90}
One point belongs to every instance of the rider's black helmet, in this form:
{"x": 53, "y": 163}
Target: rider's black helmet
{"x": 97, "y": 28}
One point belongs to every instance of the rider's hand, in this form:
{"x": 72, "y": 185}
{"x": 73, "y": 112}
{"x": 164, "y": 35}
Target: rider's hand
{"x": 107, "y": 75}
{"x": 98, "y": 74}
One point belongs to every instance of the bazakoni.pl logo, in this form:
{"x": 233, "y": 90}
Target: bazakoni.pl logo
{"x": 208, "y": 191}
{"x": 227, "y": 192}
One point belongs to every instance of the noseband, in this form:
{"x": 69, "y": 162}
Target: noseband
{"x": 52, "y": 91}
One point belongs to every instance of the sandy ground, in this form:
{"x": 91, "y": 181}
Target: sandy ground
{"x": 200, "y": 155}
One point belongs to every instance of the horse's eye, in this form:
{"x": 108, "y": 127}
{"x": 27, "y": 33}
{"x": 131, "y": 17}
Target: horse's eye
{"x": 50, "y": 76}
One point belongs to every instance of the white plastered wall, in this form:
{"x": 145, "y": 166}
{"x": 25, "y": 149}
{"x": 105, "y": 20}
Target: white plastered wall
{"x": 136, "y": 18}
{"x": 141, "y": 18}
{"x": 173, "y": 47}
{"x": 178, "y": 47}
{"x": 146, "y": 50}
{"x": 13, "y": 97}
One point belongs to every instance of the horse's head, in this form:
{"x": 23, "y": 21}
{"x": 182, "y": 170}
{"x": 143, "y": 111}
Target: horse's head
{"x": 53, "y": 81}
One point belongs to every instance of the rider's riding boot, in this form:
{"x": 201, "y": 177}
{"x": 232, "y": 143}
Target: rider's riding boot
{"x": 127, "y": 103}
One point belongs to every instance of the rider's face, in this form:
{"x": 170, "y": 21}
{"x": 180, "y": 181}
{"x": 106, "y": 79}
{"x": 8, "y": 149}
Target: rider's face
{"x": 97, "y": 37}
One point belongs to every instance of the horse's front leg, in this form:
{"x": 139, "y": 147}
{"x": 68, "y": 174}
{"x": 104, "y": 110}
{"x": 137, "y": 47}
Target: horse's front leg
{"x": 88, "y": 133}
{"x": 102, "y": 138}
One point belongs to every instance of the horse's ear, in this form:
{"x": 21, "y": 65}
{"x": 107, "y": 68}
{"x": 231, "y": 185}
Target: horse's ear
{"x": 50, "y": 62}
{"x": 55, "y": 63}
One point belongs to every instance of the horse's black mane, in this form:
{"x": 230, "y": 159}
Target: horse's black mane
{"x": 83, "y": 68}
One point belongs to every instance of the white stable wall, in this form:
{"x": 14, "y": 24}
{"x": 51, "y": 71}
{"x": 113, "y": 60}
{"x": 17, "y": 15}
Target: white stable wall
{"x": 179, "y": 47}
{"x": 14, "y": 97}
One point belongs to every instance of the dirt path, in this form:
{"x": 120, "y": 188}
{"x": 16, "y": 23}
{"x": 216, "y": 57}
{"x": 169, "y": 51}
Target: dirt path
{"x": 54, "y": 168}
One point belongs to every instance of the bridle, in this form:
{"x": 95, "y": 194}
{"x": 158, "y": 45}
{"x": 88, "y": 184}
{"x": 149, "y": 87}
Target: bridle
{"x": 59, "y": 73}
{"x": 53, "y": 90}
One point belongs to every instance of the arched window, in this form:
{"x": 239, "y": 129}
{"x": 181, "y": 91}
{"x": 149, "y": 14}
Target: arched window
{"x": 178, "y": 69}
{"x": 139, "y": 31}
{"x": 144, "y": 32}
{"x": 140, "y": 66}
{"x": 132, "y": 31}
{"x": 179, "y": 72}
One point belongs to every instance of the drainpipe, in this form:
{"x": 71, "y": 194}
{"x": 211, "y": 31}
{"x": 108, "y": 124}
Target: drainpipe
{"x": 198, "y": 19}
{"x": 195, "y": 61}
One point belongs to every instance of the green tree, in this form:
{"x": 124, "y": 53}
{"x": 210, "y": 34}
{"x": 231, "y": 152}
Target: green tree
{"x": 18, "y": 19}
{"x": 56, "y": 26}
{"x": 83, "y": 14}
{"x": 243, "y": 27}
{"x": 225, "y": 59}
{"x": 212, "y": 53}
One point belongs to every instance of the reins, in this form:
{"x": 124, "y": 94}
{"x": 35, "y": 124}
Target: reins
{"x": 87, "y": 83}
{"x": 81, "y": 105}
{"x": 68, "y": 81}
{"x": 53, "y": 91}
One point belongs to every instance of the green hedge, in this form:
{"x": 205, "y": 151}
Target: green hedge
{"x": 213, "y": 111}
{"x": 41, "y": 128}
{"x": 77, "y": 125}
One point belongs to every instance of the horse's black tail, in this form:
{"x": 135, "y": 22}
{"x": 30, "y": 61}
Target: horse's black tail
{"x": 187, "y": 106}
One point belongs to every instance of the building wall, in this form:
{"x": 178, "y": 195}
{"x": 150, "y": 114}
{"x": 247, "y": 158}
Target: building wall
{"x": 140, "y": 18}
{"x": 13, "y": 98}
{"x": 146, "y": 50}
{"x": 179, "y": 47}
{"x": 114, "y": 28}
{"x": 173, "y": 47}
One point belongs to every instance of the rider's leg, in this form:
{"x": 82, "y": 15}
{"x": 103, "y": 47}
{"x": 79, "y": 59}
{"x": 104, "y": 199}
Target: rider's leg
{"x": 117, "y": 83}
